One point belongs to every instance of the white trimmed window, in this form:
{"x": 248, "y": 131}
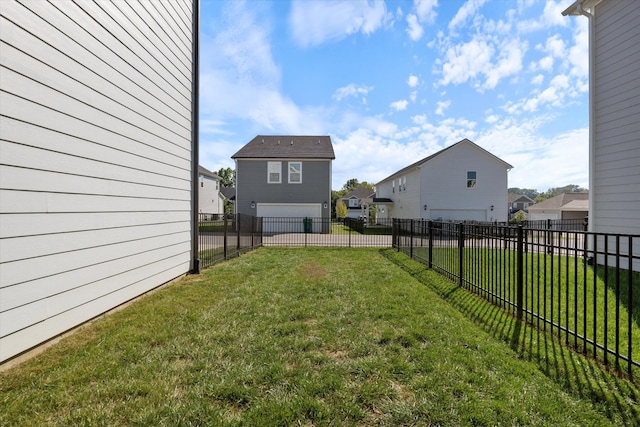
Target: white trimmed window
{"x": 471, "y": 179}
{"x": 274, "y": 172}
{"x": 295, "y": 172}
{"x": 353, "y": 203}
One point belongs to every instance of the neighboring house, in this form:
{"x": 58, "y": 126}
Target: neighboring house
{"x": 210, "y": 199}
{"x": 518, "y": 202}
{"x": 614, "y": 116}
{"x": 461, "y": 182}
{"x": 98, "y": 159}
{"x": 562, "y": 206}
{"x": 229, "y": 194}
{"x": 355, "y": 201}
{"x": 285, "y": 176}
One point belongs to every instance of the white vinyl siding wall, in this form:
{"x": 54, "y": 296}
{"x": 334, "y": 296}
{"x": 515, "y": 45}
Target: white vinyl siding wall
{"x": 617, "y": 118}
{"x": 96, "y": 158}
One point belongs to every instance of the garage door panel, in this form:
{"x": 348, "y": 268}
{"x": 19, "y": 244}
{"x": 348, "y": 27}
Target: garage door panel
{"x": 289, "y": 217}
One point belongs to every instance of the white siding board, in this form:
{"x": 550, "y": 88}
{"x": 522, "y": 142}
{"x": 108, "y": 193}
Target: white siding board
{"x": 20, "y": 178}
{"x": 88, "y": 141}
{"x": 96, "y": 148}
{"x": 37, "y": 158}
{"x": 62, "y": 322}
{"x": 95, "y": 261}
{"x": 17, "y": 311}
{"x": 12, "y": 201}
{"x": 140, "y": 31}
{"x": 138, "y": 58}
{"x": 160, "y": 14}
{"x": 87, "y": 49}
{"x": 51, "y": 244}
{"x": 21, "y": 225}
{"x": 50, "y": 75}
{"x": 56, "y": 100}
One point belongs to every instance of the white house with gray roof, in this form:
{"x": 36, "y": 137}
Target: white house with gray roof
{"x": 461, "y": 182}
{"x": 285, "y": 176}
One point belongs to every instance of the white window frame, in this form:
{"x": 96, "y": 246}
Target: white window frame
{"x": 274, "y": 167}
{"x": 290, "y": 172}
{"x": 472, "y": 182}
{"x": 354, "y": 203}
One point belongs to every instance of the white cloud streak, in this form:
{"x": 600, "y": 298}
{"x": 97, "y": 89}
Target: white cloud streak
{"x": 315, "y": 22}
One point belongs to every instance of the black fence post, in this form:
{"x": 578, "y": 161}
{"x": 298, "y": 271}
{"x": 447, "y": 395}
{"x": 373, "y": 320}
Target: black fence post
{"x": 520, "y": 272}
{"x": 238, "y": 232}
{"x": 411, "y": 238}
{"x": 461, "y": 252}
{"x": 430, "y": 244}
{"x": 224, "y": 240}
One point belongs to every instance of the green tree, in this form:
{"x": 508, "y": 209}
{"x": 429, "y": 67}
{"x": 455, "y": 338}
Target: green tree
{"x": 341, "y": 209}
{"x": 518, "y": 218}
{"x": 353, "y": 183}
{"x": 227, "y": 177}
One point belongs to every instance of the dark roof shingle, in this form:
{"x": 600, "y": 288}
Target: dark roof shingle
{"x": 287, "y": 147}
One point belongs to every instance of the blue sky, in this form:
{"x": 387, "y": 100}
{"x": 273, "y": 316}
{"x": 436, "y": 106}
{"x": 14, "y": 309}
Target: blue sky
{"x": 395, "y": 81}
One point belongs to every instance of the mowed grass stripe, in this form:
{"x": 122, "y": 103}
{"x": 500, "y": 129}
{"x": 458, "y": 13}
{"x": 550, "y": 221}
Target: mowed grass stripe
{"x": 312, "y": 336}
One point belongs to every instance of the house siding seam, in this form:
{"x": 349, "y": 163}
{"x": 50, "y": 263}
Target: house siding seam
{"x": 96, "y": 153}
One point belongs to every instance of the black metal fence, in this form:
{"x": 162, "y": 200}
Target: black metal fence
{"x": 225, "y": 236}
{"x": 582, "y": 286}
{"x": 312, "y": 231}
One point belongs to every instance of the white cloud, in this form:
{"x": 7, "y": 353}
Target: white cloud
{"x": 413, "y": 95}
{"x": 351, "y": 90}
{"x": 551, "y": 16}
{"x": 465, "y": 12}
{"x": 441, "y": 106}
{"x": 316, "y": 22}
{"x": 399, "y": 105}
{"x": 425, "y": 10}
{"x": 537, "y": 80}
{"x": 413, "y": 81}
{"x": 414, "y": 29}
{"x": 419, "y": 119}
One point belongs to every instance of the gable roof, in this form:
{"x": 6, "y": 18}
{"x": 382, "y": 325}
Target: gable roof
{"x": 287, "y": 147}
{"x": 428, "y": 158}
{"x": 564, "y": 201}
{"x": 204, "y": 172}
{"x": 228, "y": 192}
{"x": 512, "y": 197}
{"x": 360, "y": 193}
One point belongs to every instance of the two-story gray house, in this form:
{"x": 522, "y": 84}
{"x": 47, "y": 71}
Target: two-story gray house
{"x": 285, "y": 176}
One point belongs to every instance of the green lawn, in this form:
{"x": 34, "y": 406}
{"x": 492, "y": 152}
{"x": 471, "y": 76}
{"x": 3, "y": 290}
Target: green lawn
{"x": 313, "y": 336}
{"x": 575, "y": 285}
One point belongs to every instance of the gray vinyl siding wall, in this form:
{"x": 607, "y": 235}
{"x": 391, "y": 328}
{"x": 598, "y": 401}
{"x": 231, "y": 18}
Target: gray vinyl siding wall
{"x": 252, "y": 184}
{"x": 95, "y": 159}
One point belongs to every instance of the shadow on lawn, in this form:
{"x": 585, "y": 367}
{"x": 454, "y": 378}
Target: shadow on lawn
{"x": 616, "y": 397}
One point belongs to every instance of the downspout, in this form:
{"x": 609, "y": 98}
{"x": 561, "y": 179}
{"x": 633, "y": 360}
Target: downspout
{"x": 195, "y": 140}
{"x": 592, "y": 115}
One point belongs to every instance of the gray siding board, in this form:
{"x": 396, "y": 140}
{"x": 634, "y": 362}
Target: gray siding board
{"x": 96, "y": 160}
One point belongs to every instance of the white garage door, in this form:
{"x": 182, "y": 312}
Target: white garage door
{"x": 533, "y": 216}
{"x": 288, "y": 217}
